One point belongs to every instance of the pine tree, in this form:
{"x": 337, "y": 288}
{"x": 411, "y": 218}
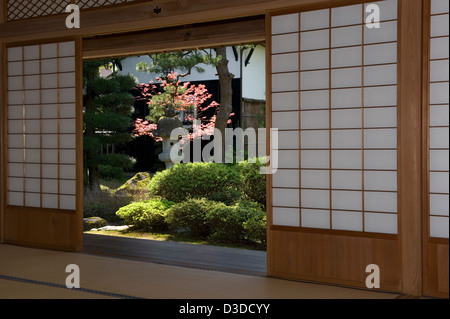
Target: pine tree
{"x": 108, "y": 107}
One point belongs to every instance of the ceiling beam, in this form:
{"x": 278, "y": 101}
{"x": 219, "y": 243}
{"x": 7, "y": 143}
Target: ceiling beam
{"x": 173, "y": 39}
{"x": 141, "y": 16}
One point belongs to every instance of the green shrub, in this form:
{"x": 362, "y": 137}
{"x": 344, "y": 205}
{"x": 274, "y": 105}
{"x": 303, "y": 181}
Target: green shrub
{"x": 147, "y": 215}
{"x": 229, "y": 196}
{"x": 191, "y": 215}
{"x": 110, "y": 172}
{"x": 253, "y": 182}
{"x": 241, "y": 222}
{"x": 103, "y": 203}
{"x": 195, "y": 180}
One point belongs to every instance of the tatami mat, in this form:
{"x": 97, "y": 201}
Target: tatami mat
{"x": 36, "y": 273}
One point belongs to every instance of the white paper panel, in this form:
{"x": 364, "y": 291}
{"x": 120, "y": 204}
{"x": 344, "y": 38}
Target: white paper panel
{"x": 67, "y": 95}
{"x": 285, "y": 197}
{"x": 15, "y": 126}
{"x": 32, "y": 141}
{"x": 285, "y": 120}
{"x": 50, "y": 186}
{"x": 31, "y": 67}
{"x": 285, "y": 23}
{"x": 351, "y": 221}
{"x": 67, "y": 171}
{"x": 15, "y": 97}
{"x": 50, "y": 96}
{"x": 346, "y": 57}
{"x": 315, "y": 179}
{"x": 341, "y": 78}
{"x": 382, "y": 181}
{"x": 67, "y": 111}
{"x": 32, "y": 200}
{"x": 288, "y": 159}
{"x": 439, "y": 115}
{"x": 439, "y": 182}
{"x": 439, "y": 227}
{"x": 14, "y": 54}
{"x": 49, "y": 50}
{"x": 314, "y": 119}
{"x": 439, "y": 25}
{"x": 285, "y": 43}
{"x": 32, "y": 126}
{"x": 50, "y": 81}
{"x": 315, "y": 139}
{"x": 66, "y": 49}
{"x": 49, "y": 66}
{"x": 313, "y": 80}
{"x": 380, "y": 202}
{"x": 285, "y": 101}
{"x": 66, "y": 64}
{"x": 439, "y": 48}
{"x": 346, "y": 139}
{"x": 315, "y": 100}
{"x": 33, "y": 170}
{"x": 67, "y": 202}
{"x": 285, "y": 82}
{"x": 15, "y": 169}
{"x": 49, "y": 126}
{"x": 50, "y": 141}
{"x": 380, "y": 117}
{"x": 313, "y": 198}
{"x": 15, "y": 140}
{"x": 14, "y": 68}
{"x": 439, "y": 70}
{"x": 286, "y": 140}
{"x": 15, "y": 155}
{"x": 439, "y": 93}
{"x": 439, "y": 204}
{"x": 32, "y": 185}
{"x": 67, "y": 187}
{"x": 380, "y": 96}
{"x": 49, "y": 201}
{"x": 346, "y": 98}
{"x": 314, "y": 40}
{"x": 380, "y": 159}
{"x": 15, "y": 199}
{"x": 380, "y": 53}
{"x": 32, "y": 97}
{"x": 347, "y": 36}
{"x": 31, "y": 52}
{"x": 32, "y": 111}
{"x": 67, "y": 126}
{"x": 315, "y": 159}
{"x": 312, "y": 60}
{"x": 439, "y": 137}
{"x": 351, "y": 118}
{"x": 15, "y": 83}
{"x": 49, "y": 156}
{"x": 439, "y": 6}
{"x": 49, "y": 171}
{"x": 388, "y": 9}
{"x": 15, "y": 112}
{"x": 285, "y": 178}
{"x": 347, "y": 15}
{"x": 348, "y": 200}
{"x": 380, "y": 75}
{"x": 15, "y": 184}
{"x": 315, "y": 218}
{"x": 346, "y": 159}
{"x": 286, "y": 216}
{"x": 347, "y": 180}
{"x": 67, "y": 156}
{"x": 439, "y": 160}
{"x": 318, "y": 19}
{"x": 285, "y": 62}
{"x": 32, "y": 155}
{"x": 386, "y": 33}
{"x": 380, "y": 138}
{"x": 67, "y": 141}
{"x": 380, "y": 223}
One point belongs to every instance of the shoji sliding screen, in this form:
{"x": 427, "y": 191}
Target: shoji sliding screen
{"x": 334, "y": 101}
{"x": 436, "y": 118}
{"x": 43, "y": 144}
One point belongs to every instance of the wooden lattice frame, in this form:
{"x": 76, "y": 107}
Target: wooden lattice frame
{"x": 25, "y": 9}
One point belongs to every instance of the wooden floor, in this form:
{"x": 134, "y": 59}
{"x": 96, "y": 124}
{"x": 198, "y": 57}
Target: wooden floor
{"x": 242, "y": 261}
{"x": 36, "y": 273}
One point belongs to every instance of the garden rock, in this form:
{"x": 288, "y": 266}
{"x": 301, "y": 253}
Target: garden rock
{"x": 93, "y": 222}
{"x": 137, "y": 182}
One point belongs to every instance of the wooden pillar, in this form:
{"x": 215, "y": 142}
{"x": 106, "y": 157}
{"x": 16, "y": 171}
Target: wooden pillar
{"x": 2, "y": 121}
{"x": 410, "y": 162}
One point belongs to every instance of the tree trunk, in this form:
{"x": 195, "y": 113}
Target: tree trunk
{"x": 226, "y": 95}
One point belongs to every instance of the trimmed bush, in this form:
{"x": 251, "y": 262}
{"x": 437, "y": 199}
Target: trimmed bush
{"x": 191, "y": 215}
{"x": 241, "y": 222}
{"x": 253, "y": 182}
{"x": 147, "y": 215}
{"x": 195, "y": 180}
